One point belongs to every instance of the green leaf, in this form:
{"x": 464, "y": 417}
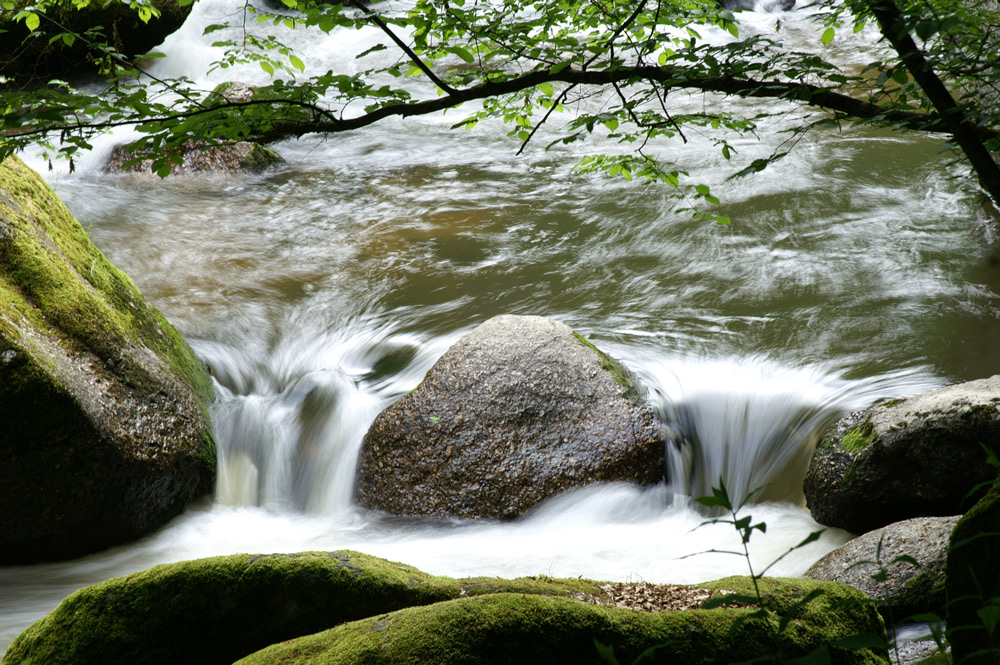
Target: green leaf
{"x": 31, "y": 20}
{"x": 828, "y": 36}
{"x": 900, "y": 77}
{"x": 266, "y": 66}
{"x": 559, "y": 66}
{"x": 702, "y": 190}
{"x": 296, "y": 62}
{"x": 463, "y": 54}
{"x": 547, "y": 89}
{"x": 607, "y": 653}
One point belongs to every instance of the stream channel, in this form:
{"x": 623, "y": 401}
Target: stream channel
{"x": 862, "y": 266}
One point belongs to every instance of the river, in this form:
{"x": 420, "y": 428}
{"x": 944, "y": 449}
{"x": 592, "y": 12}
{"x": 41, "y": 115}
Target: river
{"x": 862, "y": 266}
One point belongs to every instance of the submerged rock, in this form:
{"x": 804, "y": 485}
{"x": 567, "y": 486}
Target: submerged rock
{"x": 105, "y": 433}
{"x": 973, "y": 583}
{"x": 906, "y": 589}
{"x": 913, "y": 457}
{"x": 232, "y": 158}
{"x": 31, "y": 59}
{"x": 214, "y": 611}
{"x": 532, "y": 629}
{"x": 516, "y": 411}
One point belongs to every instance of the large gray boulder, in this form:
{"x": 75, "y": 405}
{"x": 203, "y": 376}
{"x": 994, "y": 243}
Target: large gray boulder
{"x": 518, "y": 410}
{"x": 872, "y": 562}
{"x": 105, "y": 434}
{"x": 904, "y": 458}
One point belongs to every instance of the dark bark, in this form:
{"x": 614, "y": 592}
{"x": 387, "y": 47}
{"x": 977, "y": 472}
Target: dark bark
{"x": 966, "y": 135}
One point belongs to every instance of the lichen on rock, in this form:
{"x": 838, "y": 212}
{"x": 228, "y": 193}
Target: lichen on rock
{"x": 105, "y": 407}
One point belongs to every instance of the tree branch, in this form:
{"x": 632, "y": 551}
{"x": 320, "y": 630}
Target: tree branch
{"x": 966, "y": 135}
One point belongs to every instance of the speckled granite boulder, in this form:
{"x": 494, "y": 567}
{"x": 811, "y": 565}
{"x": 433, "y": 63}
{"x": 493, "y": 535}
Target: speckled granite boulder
{"x": 104, "y": 431}
{"x": 230, "y": 158}
{"x": 518, "y": 410}
{"x": 906, "y": 589}
{"x": 904, "y": 458}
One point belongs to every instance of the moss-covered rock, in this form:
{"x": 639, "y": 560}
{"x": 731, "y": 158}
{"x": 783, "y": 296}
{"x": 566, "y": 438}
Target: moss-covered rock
{"x": 219, "y": 609}
{"x": 32, "y": 59}
{"x": 516, "y": 411}
{"x": 973, "y": 584}
{"x": 525, "y": 629}
{"x": 913, "y": 457}
{"x": 105, "y": 431}
{"x": 214, "y": 611}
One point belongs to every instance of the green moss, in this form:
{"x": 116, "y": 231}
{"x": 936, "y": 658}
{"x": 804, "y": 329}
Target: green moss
{"x": 631, "y": 390}
{"x": 859, "y": 438}
{"x": 228, "y": 607}
{"x": 888, "y": 404}
{"x": 260, "y": 158}
{"x": 528, "y": 629}
{"x": 220, "y": 609}
{"x": 61, "y": 283}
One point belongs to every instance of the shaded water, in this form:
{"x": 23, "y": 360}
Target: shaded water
{"x": 857, "y": 268}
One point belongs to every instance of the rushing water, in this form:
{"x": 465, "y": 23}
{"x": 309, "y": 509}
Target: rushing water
{"x": 857, "y": 268}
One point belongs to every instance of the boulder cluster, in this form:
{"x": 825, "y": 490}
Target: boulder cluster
{"x": 918, "y": 478}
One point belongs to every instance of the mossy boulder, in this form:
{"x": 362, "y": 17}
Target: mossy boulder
{"x": 519, "y": 409}
{"x": 914, "y": 457}
{"x": 973, "y": 583}
{"x": 105, "y": 431}
{"x": 214, "y": 611}
{"x": 220, "y": 609}
{"x": 32, "y": 59}
{"x": 872, "y": 562}
{"x": 521, "y": 629}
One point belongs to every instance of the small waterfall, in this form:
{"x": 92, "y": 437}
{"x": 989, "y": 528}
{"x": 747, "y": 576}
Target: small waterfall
{"x": 753, "y": 422}
{"x": 288, "y": 445}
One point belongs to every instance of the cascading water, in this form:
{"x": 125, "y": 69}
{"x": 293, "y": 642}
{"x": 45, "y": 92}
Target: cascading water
{"x": 855, "y": 269}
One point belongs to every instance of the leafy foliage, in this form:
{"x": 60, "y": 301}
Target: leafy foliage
{"x": 521, "y": 62}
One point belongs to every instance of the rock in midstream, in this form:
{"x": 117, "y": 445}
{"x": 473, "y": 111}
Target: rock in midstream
{"x": 518, "y": 410}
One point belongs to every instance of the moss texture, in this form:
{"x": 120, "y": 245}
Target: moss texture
{"x": 858, "y": 438}
{"x": 106, "y": 433}
{"x": 58, "y": 280}
{"x": 220, "y": 609}
{"x": 973, "y": 583}
{"x": 214, "y": 611}
{"x": 526, "y": 629}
